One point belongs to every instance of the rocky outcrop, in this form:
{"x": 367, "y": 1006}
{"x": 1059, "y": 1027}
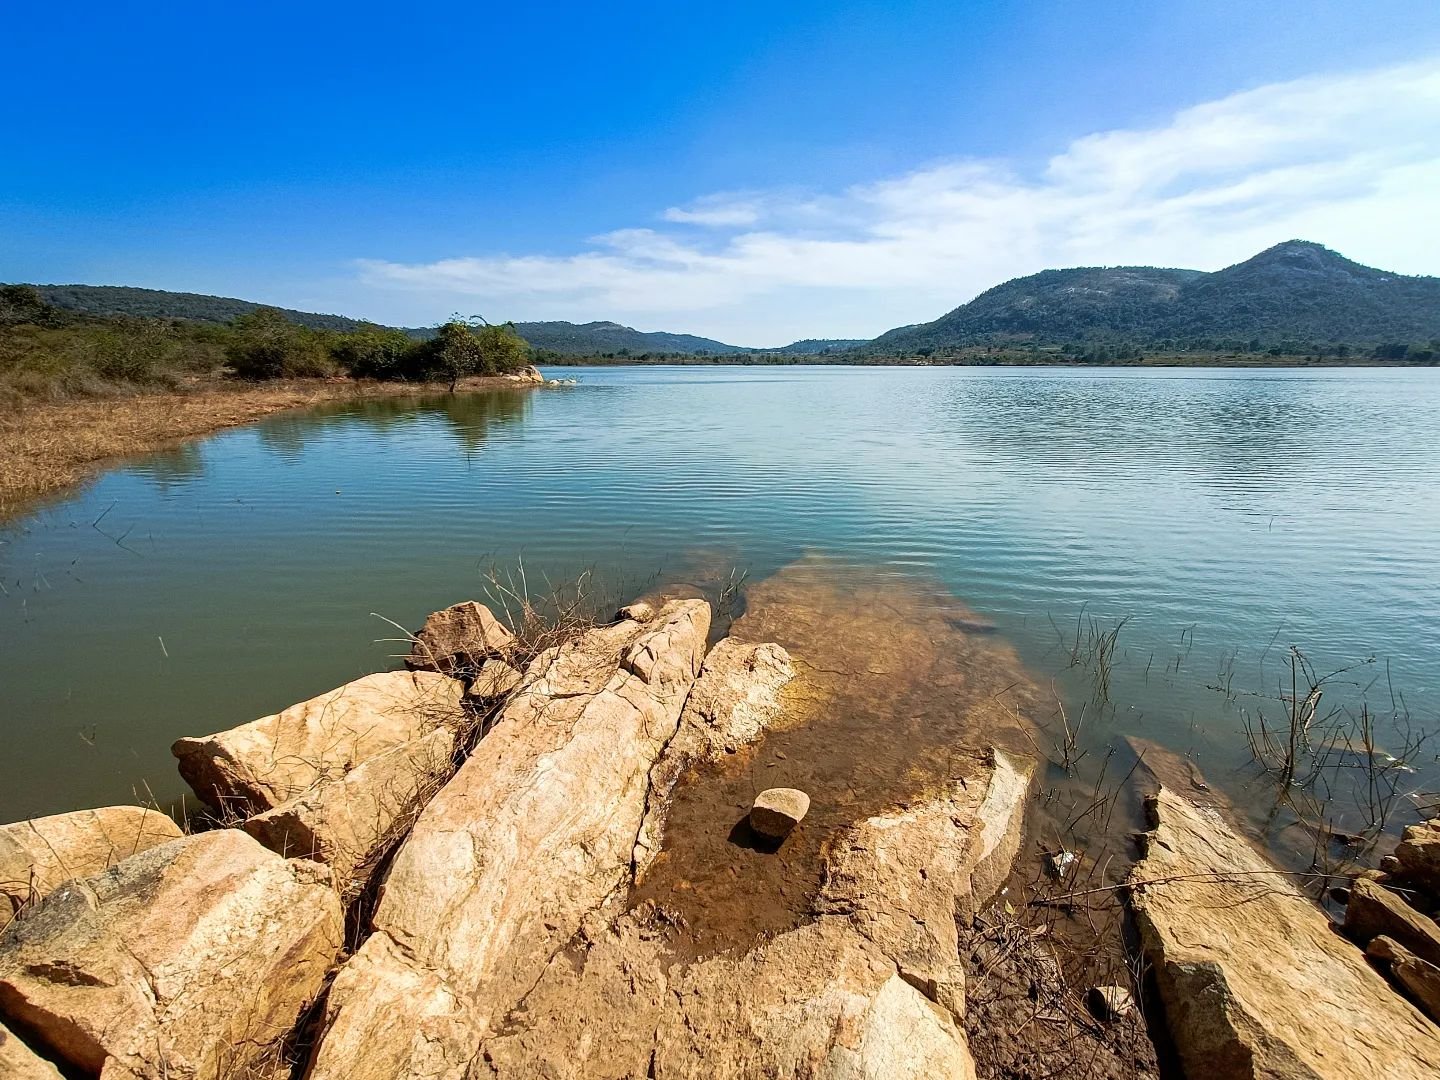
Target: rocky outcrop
{"x": 870, "y": 987}
{"x": 192, "y": 959}
{"x": 19, "y": 1062}
{"x": 339, "y": 777}
{"x": 1253, "y": 980}
{"x": 533, "y": 833}
{"x": 736, "y": 697}
{"x": 38, "y": 855}
{"x": 459, "y": 639}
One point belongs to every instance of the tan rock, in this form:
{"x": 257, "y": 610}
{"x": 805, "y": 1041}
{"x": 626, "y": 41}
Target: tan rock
{"x": 1253, "y": 980}
{"x": 36, "y": 856}
{"x": 259, "y": 765}
{"x": 734, "y": 700}
{"x": 906, "y": 878}
{"x": 777, "y": 811}
{"x": 494, "y": 681}
{"x": 19, "y": 1062}
{"x": 1419, "y": 978}
{"x": 191, "y": 959}
{"x": 459, "y": 638}
{"x": 534, "y": 832}
{"x": 1418, "y": 854}
{"x": 349, "y": 823}
{"x": 1374, "y": 910}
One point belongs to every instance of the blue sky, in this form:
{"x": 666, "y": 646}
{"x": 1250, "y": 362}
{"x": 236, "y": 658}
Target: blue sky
{"x": 755, "y": 172}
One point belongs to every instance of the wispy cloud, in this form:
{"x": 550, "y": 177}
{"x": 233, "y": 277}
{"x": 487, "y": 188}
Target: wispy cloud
{"x": 1352, "y": 161}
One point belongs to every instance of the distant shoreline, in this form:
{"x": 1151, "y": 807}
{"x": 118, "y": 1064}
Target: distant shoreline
{"x": 1164, "y": 361}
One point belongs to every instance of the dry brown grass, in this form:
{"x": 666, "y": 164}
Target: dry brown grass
{"x": 47, "y": 446}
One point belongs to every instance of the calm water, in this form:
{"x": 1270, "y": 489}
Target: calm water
{"x": 1220, "y": 512}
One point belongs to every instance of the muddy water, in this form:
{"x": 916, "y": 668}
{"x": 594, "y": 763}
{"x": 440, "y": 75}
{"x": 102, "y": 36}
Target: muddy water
{"x": 899, "y": 688}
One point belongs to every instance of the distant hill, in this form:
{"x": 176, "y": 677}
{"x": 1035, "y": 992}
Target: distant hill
{"x": 160, "y": 304}
{"x": 1295, "y": 292}
{"x": 598, "y": 338}
{"x": 815, "y": 346}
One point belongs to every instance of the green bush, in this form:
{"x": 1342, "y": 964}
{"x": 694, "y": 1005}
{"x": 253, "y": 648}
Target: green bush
{"x": 265, "y": 345}
{"x": 376, "y": 353}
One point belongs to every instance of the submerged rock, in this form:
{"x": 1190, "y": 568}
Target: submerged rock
{"x": 777, "y": 811}
{"x": 533, "y": 833}
{"x": 459, "y": 638}
{"x": 1253, "y": 981}
{"x": 38, "y": 855}
{"x": 191, "y": 959}
{"x": 734, "y": 700}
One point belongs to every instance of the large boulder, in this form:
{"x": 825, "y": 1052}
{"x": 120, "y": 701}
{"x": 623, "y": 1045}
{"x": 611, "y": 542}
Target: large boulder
{"x": 259, "y": 765}
{"x": 459, "y": 639}
{"x": 19, "y": 1062}
{"x": 1253, "y": 980}
{"x": 340, "y": 777}
{"x": 534, "y": 832}
{"x": 38, "y": 855}
{"x": 192, "y": 959}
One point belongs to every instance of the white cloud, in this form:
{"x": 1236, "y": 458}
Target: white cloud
{"x": 1352, "y": 161}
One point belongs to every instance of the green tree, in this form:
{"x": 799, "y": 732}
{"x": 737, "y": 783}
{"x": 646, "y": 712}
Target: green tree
{"x": 376, "y": 353}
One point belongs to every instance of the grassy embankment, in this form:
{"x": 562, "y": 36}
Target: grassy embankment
{"x": 78, "y": 390}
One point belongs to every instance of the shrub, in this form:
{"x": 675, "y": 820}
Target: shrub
{"x": 266, "y": 345}
{"x": 376, "y": 354}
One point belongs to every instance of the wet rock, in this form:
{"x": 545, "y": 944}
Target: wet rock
{"x": 459, "y": 638}
{"x": 1258, "y": 985}
{"x": 259, "y": 765}
{"x": 494, "y": 681}
{"x": 191, "y": 959}
{"x": 19, "y": 1062}
{"x": 1109, "y": 1002}
{"x": 1059, "y": 863}
{"x": 1418, "y": 855}
{"x": 1419, "y": 978}
{"x": 1374, "y": 911}
{"x": 906, "y": 879}
{"x": 777, "y": 811}
{"x": 735, "y": 699}
{"x": 38, "y": 855}
{"x": 533, "y": 833}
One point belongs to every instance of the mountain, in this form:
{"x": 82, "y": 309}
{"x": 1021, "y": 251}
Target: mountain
{"x": 1295, "y": 292}
{"x": 598, "y": 338}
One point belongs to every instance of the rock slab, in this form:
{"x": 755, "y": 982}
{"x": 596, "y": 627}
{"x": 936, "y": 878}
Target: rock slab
{"x": 39, "y": 855}
{"x": 1420, "y": 978}
{"x": 1253, "y": 980}
{"x": 19, "y": 1062}
{"x": 1374, "y": 910}
{"x": 191, "y": 959}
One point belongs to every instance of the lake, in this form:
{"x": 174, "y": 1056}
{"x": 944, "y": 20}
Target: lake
{"x": 1224, "y": 515}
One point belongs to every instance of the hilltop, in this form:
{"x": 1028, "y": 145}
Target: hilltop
{"x": 1293, "y": 294}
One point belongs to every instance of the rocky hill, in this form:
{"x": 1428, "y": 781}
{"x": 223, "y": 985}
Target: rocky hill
{"x": 1295, "y": 292}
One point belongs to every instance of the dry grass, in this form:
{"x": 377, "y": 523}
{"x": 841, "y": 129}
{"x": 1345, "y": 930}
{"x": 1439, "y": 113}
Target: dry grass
{"x": 48, "y": 446}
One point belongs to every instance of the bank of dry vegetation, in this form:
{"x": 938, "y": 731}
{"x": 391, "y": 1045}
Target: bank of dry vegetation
{"x": 78, "y": 389}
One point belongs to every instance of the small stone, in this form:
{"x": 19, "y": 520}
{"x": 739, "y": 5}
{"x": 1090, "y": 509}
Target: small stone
{"x": 638, "y": 612}
{"x": 495, "y": 680}
{"x": 458, "y": 639}
{"x": 777, "y": 811}
{"x": 1109, "y": 1002}
{"x": 1389, "y": 864}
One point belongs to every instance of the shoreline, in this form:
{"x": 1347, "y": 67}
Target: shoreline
{"x": 54, "y": 446}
